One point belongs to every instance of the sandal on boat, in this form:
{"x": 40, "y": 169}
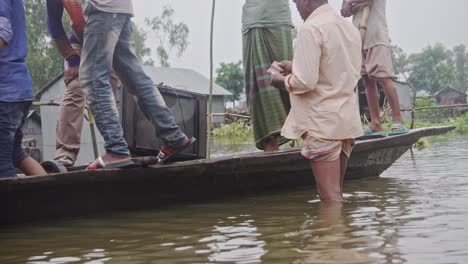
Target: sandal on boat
{"x": 100, "y": 164}
{"x": 398, "y": 129}
{"x": 368, "y": 132}
{"x": 166, "y": 153}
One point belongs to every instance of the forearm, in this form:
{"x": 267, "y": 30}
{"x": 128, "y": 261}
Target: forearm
{"x": 295, "y": 85}
{"x": 65, "y": 49}
{"x": 55, "y": 26}
{"x": 2, "y": 43}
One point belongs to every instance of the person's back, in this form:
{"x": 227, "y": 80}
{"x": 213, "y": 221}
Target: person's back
{"x": 377, "y": 27}
{"x": 332, "y": 91}
{"x": 261, "y": 13}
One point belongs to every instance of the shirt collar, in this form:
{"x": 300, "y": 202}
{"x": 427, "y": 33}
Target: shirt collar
{"x": 321, "y": 10}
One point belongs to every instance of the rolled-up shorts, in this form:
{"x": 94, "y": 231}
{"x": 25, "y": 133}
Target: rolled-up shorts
{"x": 316, "y": 149}
{"x": 378, "y": 63}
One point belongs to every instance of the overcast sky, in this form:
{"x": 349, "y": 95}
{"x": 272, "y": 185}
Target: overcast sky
{"x": 414, "y": 24}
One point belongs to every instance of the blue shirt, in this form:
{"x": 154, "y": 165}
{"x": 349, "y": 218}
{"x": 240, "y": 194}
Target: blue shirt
{"x": 15, "y": 80}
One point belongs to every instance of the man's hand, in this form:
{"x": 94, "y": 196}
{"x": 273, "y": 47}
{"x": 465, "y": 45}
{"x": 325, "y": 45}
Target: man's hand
{"x": 71, "y": 73}
{"x": 346, "y": 10}
{"x": 277, "y": 80}
{"x": 2, "y": 43}
{"x": 286, "y": 67}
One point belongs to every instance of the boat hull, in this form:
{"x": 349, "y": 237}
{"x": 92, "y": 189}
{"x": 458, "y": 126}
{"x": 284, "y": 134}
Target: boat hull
{"x": 90, "y": 192}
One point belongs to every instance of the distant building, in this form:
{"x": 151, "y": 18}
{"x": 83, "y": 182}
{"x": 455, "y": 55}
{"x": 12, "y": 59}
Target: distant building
{"x": 182, "y": 79}
{"x": 422, "y": 93}
{"x": 450, "y": 96}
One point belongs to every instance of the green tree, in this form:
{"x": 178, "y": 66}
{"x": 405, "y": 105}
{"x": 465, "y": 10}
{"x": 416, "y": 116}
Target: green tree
{"x": 44, "y": 61}
{"x": 433, "y": 69}
{"x": 171, "y": 35}
{"x": 461, "y": 67}
{"x": 231, "y": 77}
{"x": 400, "y": 60}
{"x": 141, "y": 50}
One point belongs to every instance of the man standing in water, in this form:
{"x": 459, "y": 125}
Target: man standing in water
{"x": 107, "y": 44}
{"x": 267, "y": 37}
{"x": 16, "y": 91}
{"x": 377, "y": 65}
{"x": 321, "y": 82}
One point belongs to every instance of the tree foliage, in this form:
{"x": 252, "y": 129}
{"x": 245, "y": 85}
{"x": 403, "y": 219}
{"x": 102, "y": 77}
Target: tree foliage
{"x": 400, "y": 60}
{"x": 231, "y": 77}
{"x": 44, "y": 61}
{"x": 432, "y": 69}
{"x": 171, "y": 36}
{"x": 461, "y": 67}
{"x": 141, "y": 50}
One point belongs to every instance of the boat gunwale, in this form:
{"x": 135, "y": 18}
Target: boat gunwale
{"x": 9, "y": 184}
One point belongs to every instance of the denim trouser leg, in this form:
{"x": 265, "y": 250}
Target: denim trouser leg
{"x": 150, "y": 101}
{"x": 101, "y": 37}
{"x": 12, "y": 118}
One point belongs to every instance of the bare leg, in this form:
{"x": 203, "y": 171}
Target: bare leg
{"x": 31, "y": 167}
{"x": 328, "y": 176}
{"x": 272, "y": 145}
{"x": 392, "y": 97}
{"x": 343, "y": 167}
{"x": 373, "y": 97}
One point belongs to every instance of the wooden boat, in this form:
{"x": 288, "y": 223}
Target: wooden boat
{"x": 89, "y": 192}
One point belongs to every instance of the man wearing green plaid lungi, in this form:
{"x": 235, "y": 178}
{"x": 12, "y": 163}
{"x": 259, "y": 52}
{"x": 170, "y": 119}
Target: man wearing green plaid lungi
{"x": 267, "y": 37}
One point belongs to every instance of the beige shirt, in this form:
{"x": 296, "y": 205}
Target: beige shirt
{"x": 326, "y": 68}
{"x": 377, "y": 27}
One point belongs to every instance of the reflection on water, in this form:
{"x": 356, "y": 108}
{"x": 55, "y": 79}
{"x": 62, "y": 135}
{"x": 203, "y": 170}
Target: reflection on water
{"x": 415, "y": 213}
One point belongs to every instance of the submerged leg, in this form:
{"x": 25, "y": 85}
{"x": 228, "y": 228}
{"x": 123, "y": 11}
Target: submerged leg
{"x": 328, "y": 178}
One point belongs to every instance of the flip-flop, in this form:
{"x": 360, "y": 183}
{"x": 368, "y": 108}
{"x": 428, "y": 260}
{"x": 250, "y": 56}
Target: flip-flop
{"x": 368, "y": 132}
{"x": 100, "y": 164}
{"x": 398, "y": 129}
{"x": 165, "y": 154}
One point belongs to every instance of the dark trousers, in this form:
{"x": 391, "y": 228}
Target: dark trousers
{"x": 12, "y": 118}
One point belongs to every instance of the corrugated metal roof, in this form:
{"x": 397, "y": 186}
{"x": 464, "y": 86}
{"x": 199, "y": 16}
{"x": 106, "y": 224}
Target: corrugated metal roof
{"x": 184, "y": 79}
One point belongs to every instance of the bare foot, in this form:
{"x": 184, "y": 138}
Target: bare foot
{"x": 376, "y": 127}
{"x": 272, "y": 145}
{"x": 109, "y": 158}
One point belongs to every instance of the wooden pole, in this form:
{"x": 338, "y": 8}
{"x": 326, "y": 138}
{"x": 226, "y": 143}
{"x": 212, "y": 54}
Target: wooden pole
{"x": 210, "y": 99}
{"x": 93, "y": 134}
{"x": 363, "y": 24}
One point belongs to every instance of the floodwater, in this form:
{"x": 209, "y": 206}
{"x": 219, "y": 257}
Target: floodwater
{"x": 417, "y": 212}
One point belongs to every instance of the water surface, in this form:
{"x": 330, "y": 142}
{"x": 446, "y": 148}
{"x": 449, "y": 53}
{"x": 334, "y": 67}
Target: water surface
{"x": 416, "y": 212}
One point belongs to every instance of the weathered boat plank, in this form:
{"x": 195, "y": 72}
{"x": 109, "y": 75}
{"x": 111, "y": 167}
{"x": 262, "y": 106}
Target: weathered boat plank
{"x": 83, "y": 192}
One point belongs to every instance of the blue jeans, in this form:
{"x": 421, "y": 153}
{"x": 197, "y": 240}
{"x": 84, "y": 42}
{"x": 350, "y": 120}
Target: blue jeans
{"x": 12, "y": 118}
{"x": 108, "y": 44}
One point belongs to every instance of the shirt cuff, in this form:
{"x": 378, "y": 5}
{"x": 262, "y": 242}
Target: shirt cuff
{"x": 286, "y": 82}
{"x": 6, "y": 31}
